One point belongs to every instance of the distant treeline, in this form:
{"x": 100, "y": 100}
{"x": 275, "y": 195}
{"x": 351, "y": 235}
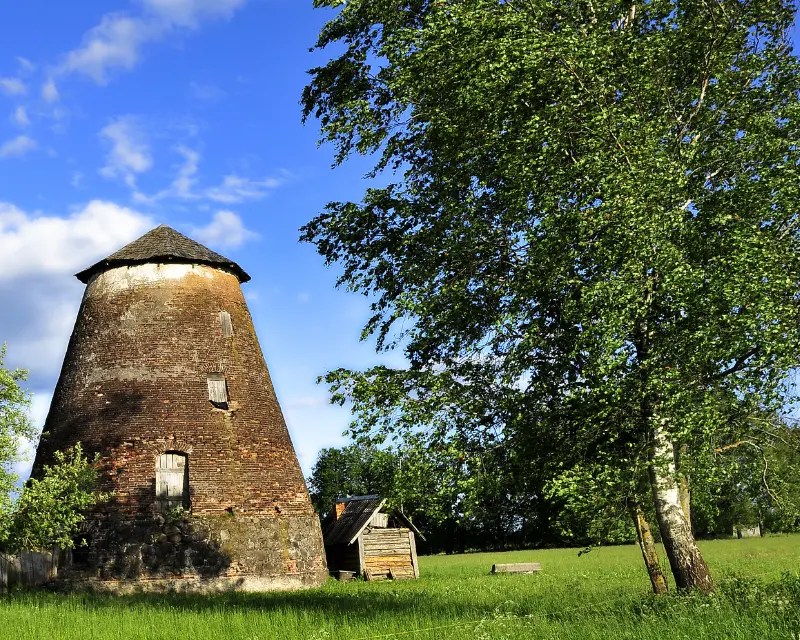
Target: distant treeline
{"x": 490, "y": 498}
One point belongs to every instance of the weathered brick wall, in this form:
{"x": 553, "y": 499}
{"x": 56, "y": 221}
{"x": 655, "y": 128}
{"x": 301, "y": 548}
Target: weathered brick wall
{"x": 134, "y": 385}
{"x": 201, "y": 553}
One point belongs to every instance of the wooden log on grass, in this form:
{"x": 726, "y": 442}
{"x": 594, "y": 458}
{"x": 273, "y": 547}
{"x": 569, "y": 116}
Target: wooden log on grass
{"x": 518, "y": 567}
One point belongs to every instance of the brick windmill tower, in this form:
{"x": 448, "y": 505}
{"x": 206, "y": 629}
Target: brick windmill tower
{"x": 165, "y": 380}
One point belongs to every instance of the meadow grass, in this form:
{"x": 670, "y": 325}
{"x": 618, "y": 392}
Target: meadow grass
{"x": 602, "y": 594}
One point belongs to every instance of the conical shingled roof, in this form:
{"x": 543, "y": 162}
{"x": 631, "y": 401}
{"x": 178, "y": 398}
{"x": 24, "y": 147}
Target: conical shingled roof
{"x": 163, "y": 245}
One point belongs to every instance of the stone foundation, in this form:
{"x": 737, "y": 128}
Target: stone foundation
{"x": 199, "y": 553}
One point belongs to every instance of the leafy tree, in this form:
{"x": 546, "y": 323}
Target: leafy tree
{"x": 50, "y": 509}
{"x": 754, "y": 482}
{"x": 592, "y": 229}
{"x": 15, "y": 427}
{"x": 46, "y": 511}
{"x": 462, "y": 498}
{"x": 350, "y": 471}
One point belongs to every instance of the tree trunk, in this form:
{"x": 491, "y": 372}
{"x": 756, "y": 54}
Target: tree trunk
{"x": 685, "y": 497}
{"x": 648, "y": 546}
{"x": 683, "y": 484}
{"x": 688, "y": 567}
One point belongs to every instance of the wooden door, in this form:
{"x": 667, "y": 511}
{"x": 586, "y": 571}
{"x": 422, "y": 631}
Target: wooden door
{"x": 172, "y": 481}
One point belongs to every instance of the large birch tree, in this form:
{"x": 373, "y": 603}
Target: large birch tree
{"x": 589, "y": 237}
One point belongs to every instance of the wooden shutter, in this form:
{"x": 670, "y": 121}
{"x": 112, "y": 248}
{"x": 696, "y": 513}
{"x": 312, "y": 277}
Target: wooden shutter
{"x": 380, "y": 521}
{"x": 172, "y": 481}
{"x": 217, "y": 389}
{"x": 227, "y": 325}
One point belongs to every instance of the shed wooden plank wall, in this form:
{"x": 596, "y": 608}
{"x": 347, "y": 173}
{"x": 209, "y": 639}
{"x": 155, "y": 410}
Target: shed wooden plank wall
{"x": 389, "y": 550}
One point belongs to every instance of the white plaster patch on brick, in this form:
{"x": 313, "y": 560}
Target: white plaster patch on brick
{"x": 127, "y": 277}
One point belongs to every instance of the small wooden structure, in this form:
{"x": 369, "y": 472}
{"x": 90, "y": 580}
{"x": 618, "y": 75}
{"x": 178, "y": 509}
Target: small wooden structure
{"x": 362, "y": 538}
{"x": 517, "y": 567}
{"x": 745, "y": 531}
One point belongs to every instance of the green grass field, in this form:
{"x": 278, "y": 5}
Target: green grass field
{"x": 603, "y": 594}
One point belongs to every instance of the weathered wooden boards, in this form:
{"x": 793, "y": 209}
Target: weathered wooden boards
{"x": 414, "y": 561}
{"x": 3, "y": 573}
{"x": 172, "y": 480}
{"x": 389, "y": 553}
{"x": 28, "y": 569}
{"x": 518, "y": 567}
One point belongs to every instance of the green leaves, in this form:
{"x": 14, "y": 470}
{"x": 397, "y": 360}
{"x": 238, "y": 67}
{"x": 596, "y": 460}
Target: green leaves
{"x": 15, "y": 428}
{"x": 592, "y": 215}
{"x": 51, "y": 508}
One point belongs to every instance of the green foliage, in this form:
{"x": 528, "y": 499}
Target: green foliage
{"x": 590, "y": 230}
{"x": 50, "y": 509}
{"x": 592, "y": 512}
{"x": 751, "y": 482}
{"x": 479, "y": 496}
{"x": 15, "y": 427}
{"x": 174, "y": 515}
{"x": 351, "y": 471}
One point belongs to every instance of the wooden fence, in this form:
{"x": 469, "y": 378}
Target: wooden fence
{"x": 28, "y": 569}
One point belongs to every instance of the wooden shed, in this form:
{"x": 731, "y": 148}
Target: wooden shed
{"x": 363, "y": 538}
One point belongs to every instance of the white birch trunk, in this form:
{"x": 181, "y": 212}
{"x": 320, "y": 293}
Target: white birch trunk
{"x": 688, "y": 567}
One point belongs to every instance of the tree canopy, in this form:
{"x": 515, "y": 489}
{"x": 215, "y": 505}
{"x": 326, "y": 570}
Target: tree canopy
{"x": 47, "y": 510}
{"x": 51, "y": 508}
{"x": 590, "y": 238}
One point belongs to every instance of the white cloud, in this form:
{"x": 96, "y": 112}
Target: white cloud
{"x": 129, "y": 153}
{"x": 183, "y": 185}
{"x": 50, "y": 91}
{"x": 22, "y": 467}
{"x": 21, "y": 116}
{"x": 40, "y": 255}
{"x": 116, "y": 43}
{"x": 40, "y": 405}
{"x": 47, "y": 245}
{"x": 190, "y": 13}
{"x": 25, "y": 65}
{"x": 205, "y": 92}
{"x": 10, "y": 216}
{"x": 77, "y": 179}
{"x": 237, "y": 189}
{"x": 226, "y": 229}
{"x": 17, "y": 146}
{"x": 234, "y": 189}
{"x": 13, "y": 86}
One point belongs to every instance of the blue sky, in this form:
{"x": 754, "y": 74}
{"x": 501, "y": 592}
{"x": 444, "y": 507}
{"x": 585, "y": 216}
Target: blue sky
{"x": 119, "y": 115}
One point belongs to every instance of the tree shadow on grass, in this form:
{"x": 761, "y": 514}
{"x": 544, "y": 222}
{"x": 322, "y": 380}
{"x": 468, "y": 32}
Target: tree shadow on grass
{"x": 333, "y": 601}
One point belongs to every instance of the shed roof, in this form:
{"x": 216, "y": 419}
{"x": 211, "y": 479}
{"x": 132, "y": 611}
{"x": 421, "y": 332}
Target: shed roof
{"x": 163, "y": 244}
{"x": 357, "y": 514}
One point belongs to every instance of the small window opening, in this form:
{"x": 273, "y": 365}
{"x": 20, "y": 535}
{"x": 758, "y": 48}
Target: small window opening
{"x": 218, "y": 390}
{"x": 172, "y": 481}
{"x": 227, "y": 325}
